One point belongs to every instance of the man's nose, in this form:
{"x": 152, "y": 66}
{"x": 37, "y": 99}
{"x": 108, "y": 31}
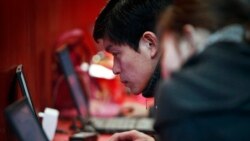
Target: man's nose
{"x": 116, "y": 69}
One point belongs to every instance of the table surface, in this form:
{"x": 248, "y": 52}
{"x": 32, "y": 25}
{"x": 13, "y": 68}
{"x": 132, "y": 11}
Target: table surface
{"x": 64, "y": 124}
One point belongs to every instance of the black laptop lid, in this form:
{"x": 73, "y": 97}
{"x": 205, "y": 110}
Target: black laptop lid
{"x": 23, "y": 85}
{"x": 23, "y": 122}
{"x": 77, "y": 93}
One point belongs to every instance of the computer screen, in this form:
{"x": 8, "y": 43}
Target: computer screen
{"x": 77, "y": 93}
{"x": 23, "y": 85}
{"x": 23, "y": 122}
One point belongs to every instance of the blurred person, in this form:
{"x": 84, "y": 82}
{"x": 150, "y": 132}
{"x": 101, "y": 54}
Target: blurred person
{"x": 206, "y": 93}
{"x": 79, "y": 52}
{"x": 110, "y": 93}
{"x": 126, "y": 29}
{"x": 134, "y": 109}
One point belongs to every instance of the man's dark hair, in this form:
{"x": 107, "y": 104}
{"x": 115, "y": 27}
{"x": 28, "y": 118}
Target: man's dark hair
{"x": 100, "y": 22}
{"x": 129, "y": 19}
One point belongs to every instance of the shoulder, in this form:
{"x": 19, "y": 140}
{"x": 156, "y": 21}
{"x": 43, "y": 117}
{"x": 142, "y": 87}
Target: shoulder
{"x": 211, "y": 78}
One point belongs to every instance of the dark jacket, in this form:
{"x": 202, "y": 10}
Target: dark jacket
{"x": 209, "y": 98}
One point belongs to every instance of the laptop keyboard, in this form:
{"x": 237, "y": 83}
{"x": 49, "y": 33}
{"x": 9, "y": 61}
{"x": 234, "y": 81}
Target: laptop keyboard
{"x": 120, "y": 124}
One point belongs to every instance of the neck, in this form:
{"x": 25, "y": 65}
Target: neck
{"x": 150, "y": 88}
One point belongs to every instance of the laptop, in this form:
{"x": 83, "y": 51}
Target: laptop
{"x": 102, "y": 125}
{"x": 23, "y": 85}
{"x": 74, "y": 84}
{"x": 23, "y": 121}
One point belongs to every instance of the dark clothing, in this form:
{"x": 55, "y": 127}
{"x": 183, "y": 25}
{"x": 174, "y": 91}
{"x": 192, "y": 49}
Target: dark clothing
{"x": 209, "y": 98}
{"x": 149, "y": 90}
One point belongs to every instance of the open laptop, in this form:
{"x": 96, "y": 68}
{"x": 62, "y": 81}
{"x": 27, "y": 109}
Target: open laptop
{"x": 23, "y": 86}
{"x": 20, "y": 75}
{"x": 23, "y": 121}
{"x": 102, "y": 125}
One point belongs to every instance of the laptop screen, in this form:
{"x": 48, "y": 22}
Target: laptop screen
{"x": 22, "y": 83}
{"x": 76, "y": 89}
{"x": 23, "y": 122}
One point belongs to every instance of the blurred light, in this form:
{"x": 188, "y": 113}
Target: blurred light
{"x": 84, "y": 66}
{"x": 100, "y": 72}
{"x": 96, "y": 58}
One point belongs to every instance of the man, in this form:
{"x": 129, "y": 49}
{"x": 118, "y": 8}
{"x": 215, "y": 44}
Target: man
{"x": 126, "y": 29}
{"x": 208, "y": 97}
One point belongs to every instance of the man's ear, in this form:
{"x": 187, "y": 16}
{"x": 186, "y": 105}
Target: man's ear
{"x": 189, "y": 33}
{"x": 149, "y": 40}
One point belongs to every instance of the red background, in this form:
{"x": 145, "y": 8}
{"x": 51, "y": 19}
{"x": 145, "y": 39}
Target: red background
{"x": 28, "y": 31}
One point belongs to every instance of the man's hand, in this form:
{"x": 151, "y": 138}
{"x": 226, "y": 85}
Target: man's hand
{"x": 131, "y": 136}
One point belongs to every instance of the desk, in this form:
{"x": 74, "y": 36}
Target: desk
{"x": 64, "y": 124}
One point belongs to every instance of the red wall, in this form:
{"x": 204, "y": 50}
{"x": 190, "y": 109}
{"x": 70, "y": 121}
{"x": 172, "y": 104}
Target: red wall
{"x": 28, "y": 30}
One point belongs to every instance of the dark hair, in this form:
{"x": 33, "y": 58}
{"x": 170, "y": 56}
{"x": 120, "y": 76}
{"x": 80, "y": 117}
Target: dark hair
{"x": 100, "y": 22}
{"x": 129, "y": 19}
{"x": 209, "y": 14}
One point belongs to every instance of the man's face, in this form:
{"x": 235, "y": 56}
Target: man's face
{"x": 134, "y": 67}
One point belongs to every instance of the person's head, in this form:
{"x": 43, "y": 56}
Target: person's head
{"x": 74, "y": 39}
{"x": 187, "y": 23}
{"x": 130, "y": 37}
